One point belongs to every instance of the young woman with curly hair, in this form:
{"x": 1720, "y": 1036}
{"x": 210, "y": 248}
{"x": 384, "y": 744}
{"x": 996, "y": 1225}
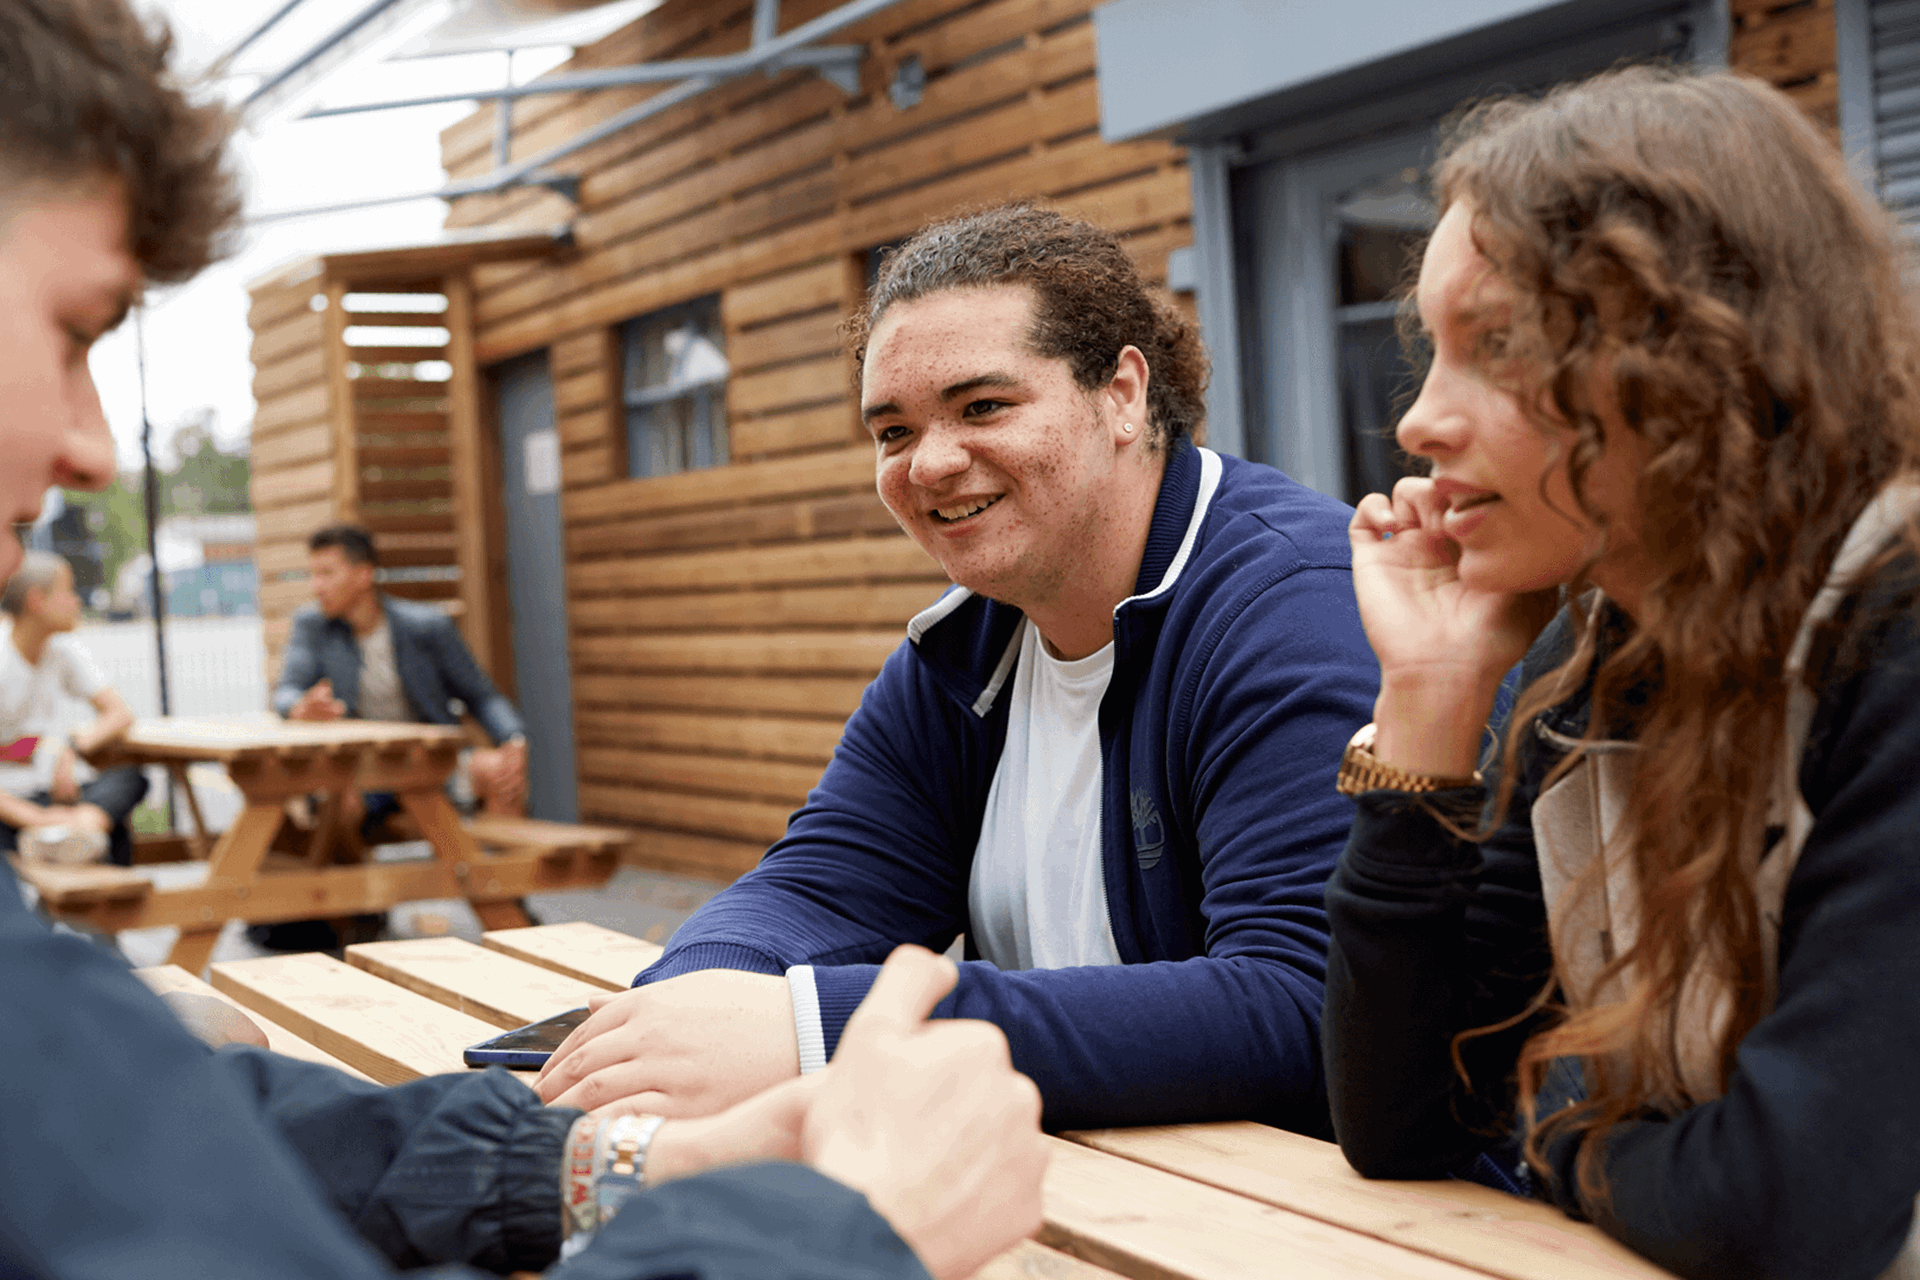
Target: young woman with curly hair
{"x": 1669, "y": 945}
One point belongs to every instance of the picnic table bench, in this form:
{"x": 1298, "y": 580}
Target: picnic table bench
{"x": 1173, "y": 1202}
{"x": 490, "y": 861}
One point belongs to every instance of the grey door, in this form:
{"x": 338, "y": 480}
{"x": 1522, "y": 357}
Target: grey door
{"x": 536, "y": 582}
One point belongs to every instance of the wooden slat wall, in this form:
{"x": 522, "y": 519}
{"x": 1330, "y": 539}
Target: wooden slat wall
{"x": 1790, "y": 45}
{"x": 405, "y": 474}
{"x": 398, "y": 480}
{"x": 292, "y": 448}
{"x": 725, "y": 622}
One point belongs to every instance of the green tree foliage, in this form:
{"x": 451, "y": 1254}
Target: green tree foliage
{"x": 202, "y": 479}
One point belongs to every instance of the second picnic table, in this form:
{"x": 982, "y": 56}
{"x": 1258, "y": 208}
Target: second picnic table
{"x": 1174, "y": 1202}
{"x": 272, "y": 761}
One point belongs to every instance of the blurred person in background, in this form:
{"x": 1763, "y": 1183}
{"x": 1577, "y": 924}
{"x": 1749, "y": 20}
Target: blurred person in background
{"x": 358, "y": 652}
{"x": 52, "y": 802}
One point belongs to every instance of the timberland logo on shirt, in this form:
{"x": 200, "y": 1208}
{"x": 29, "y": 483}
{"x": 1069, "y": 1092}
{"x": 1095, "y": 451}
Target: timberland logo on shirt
{"x": 1149, "y": 837}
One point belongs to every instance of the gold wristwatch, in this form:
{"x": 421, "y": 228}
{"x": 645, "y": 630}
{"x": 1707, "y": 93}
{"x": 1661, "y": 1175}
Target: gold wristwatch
{"x": 1361, "y": 770}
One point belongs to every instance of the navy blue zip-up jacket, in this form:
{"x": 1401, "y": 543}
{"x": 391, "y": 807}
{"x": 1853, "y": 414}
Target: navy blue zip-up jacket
{"x": 1240, "y": 671}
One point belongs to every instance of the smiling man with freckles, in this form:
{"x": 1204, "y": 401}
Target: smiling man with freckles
{"x": 1105, "y": 756}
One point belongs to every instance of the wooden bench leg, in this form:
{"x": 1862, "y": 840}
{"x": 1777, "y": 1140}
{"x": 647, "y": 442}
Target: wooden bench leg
{"x": 501, "y": 915}
{"x": 194, "y": 949}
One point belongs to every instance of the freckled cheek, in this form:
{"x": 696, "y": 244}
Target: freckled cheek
{"x": 890, "y": 479}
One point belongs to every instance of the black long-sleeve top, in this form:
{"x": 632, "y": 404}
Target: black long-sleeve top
{"x": 1809, "y": 1165}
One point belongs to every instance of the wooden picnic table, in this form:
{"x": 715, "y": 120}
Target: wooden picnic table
{"x": 271, "y": 761}
{"x": 1176, "y": 1202}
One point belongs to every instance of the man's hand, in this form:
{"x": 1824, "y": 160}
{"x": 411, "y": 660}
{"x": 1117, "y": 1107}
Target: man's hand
{"x": 212, "y": 1021}
{"x": 64, "y": 787}
{"x": 764, "y": 1127}
{"x": 690, "y": 1046}
{"x": 81, "y": 817}
{"x": 500, "y": 776}
{"x": 930, "y": 1122}
{"x": 318, "y": 703}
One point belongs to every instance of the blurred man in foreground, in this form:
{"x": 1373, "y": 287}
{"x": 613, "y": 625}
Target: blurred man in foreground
{"x": 133, "y": 1150}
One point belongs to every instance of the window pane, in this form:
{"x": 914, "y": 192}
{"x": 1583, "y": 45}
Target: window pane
{"x": 676, "y": 375}
{"x": 1382, "y": 224}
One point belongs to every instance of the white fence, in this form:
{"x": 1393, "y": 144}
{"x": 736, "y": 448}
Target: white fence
{"x": 215, "y": 666}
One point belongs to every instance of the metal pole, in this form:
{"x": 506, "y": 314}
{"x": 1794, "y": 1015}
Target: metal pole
{"x": 155, "y": 586}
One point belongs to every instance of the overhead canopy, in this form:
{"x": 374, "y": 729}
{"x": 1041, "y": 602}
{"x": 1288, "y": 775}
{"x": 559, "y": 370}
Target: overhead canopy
{"x": 452, "y": 252}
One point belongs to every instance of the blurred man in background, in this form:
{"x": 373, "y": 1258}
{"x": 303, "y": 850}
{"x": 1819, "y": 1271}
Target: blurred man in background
{"x": 361, "y": 653}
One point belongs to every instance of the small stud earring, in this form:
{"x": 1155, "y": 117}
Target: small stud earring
{"x": 1127, "y": 427}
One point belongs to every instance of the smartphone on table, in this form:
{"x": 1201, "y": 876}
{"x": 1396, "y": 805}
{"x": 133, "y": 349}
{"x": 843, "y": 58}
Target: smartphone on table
{"x": 525, "y": 1048}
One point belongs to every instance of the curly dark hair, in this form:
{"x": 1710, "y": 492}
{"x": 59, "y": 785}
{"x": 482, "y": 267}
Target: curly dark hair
{"x": 1090, "y": 302}
{"x": 84, "y": 92}
{"x": 1697, "y": 242}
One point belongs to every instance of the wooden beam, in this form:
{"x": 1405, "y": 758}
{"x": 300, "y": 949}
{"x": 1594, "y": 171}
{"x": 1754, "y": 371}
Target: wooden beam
{"x": 1474, "y": 1225}
{"x": 392, "y": 1034}
{"x": 171, "y": 977}
{"x": 1145, "y": 1223}
{"x": 467, "y": 448}
{"x": 488, "y": 984}
{"x": 601, "y": 957}
{"x": 346, "y": 443}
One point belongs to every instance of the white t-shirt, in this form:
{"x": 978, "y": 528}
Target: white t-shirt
{"x": 1038, "y": 893}
{"x": 39, "y": 700}
{"x": 381, "y": 697}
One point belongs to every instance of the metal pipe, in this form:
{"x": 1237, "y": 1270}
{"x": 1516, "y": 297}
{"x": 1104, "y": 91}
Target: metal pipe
{"x": 151, "y": 500}
{"x": 733, "y": 64}
{"x": 826, "y": 24}
{"x": 307, "y": 59}
{"x": 247, "y": 41}
{"x": 766, "y": 21}
{"x": 503, "y": 123}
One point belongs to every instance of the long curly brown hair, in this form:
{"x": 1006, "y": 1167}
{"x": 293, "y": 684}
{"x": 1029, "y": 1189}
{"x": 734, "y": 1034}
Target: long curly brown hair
{"x": 1696, "y": 240}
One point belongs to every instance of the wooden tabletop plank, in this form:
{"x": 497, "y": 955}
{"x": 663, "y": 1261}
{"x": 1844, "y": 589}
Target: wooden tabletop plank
{"x": 1029, "y": 1260}
{"x": 1461, "y": 1221}
{"x": 489, "y": 984}
{"x": 171, "y": 977}
{"x": 604, "y": 957}
{"x": 392, "y": 1034}
{"x": 1152, "y": 1225}
{"x": 228, "y": 737}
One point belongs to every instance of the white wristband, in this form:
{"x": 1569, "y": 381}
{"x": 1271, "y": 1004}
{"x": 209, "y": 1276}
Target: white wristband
{"x": 807, "y": 1031}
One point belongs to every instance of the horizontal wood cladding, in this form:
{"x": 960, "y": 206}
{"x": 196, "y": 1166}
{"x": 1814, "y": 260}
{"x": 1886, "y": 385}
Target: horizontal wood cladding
{"x": 714, "y": 857}
{"x": 1791, "y": 46}
{"x": 803, "y": 741}
{"x": 724, "y": 622}
{"x": 868, "y": 604}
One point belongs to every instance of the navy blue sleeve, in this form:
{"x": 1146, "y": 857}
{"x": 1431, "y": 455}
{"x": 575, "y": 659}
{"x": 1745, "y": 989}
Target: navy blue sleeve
{"x": 300, "y": 662}
{"x": 762, "y": 1222}
{"x": 455, "y": 1168}
{"x": 876, "y": 857}
{"x": 470, "y": 684}
{"x": 126, "y": 1150}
